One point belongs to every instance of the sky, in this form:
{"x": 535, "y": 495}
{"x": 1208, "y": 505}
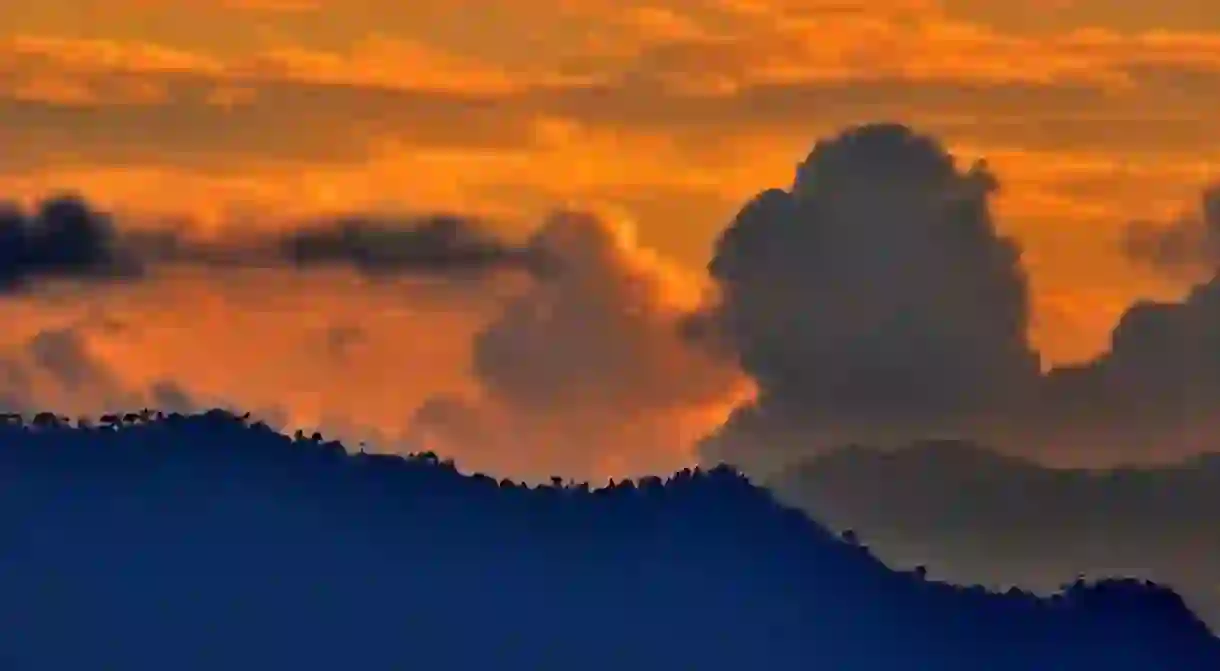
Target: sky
{"x": 621, "y": 138}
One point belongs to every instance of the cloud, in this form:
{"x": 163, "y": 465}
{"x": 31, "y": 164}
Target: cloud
{"x": 874, "y": 302}
{"x": 446, "y": 248}
{"x": 432, "y": 244}
{"x": 585, "y": 373}
{"x": 62, "y": 353}
{"x": 57, "y": 370}
{"x": 62, "y": 238}
{"x": 1189, "y": 245}
{"x": 1151, "y": 396}
{"x": 874, "y": 292}
{"x": 1148, "y": 397}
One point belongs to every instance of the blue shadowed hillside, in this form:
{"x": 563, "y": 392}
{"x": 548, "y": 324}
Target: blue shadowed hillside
{"x": 207, "y": 542}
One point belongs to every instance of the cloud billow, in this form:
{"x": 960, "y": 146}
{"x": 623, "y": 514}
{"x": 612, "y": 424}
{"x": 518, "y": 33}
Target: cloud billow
{"x": 585, "y": 372}
{"x": 874, "y": 301}
{"x": 874, "y": 292}
{"x": 1153, "y": 395}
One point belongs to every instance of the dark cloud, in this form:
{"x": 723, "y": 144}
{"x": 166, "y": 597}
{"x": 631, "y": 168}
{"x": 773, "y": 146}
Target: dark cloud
{"x": 1188, "y": 245}
{"x": 974, "y": 516}
{"x": 434, "y": 244}
{"x": 874, "y": 293}
{"x": 63, "y": 237}
{"x": 874, "y": 302}
{"x": 66, "y": 237}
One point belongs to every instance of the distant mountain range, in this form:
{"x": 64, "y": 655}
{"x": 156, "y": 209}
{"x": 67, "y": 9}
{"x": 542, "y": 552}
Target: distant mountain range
{"x": 972, "y": 515}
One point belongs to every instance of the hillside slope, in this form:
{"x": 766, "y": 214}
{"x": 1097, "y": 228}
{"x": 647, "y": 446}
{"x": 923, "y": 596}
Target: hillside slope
{"x": 200, "y": 542}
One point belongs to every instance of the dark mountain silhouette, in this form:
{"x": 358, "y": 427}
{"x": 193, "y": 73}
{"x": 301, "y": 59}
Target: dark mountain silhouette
{"x": 973, "y": 515}
{"x": 207, "y": 542}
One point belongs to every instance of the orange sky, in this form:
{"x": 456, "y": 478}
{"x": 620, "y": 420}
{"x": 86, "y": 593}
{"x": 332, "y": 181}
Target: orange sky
{"x": 667, "y": 114}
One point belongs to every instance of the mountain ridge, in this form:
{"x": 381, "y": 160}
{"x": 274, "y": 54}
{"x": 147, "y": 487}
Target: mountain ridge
{"x": 205, "y": 540}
